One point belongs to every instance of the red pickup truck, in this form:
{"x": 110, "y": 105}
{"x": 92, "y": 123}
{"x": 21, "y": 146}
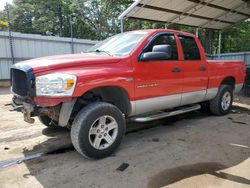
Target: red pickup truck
{"x": 139, "y": 75}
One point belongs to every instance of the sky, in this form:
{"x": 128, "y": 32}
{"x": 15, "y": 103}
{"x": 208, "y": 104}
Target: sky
{"x": 3, "y": 3}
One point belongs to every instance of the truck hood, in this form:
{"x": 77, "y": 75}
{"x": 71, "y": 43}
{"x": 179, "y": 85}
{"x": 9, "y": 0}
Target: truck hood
{"x": 67, "y": 61}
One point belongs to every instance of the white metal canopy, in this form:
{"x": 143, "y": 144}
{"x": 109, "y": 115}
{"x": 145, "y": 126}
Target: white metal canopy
{"x": 212, "y": 14}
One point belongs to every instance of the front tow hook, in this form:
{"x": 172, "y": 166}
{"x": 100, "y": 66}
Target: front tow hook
{"x": 27, "y": 110}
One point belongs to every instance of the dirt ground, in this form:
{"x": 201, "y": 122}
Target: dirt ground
{"x": 192, "y": 150}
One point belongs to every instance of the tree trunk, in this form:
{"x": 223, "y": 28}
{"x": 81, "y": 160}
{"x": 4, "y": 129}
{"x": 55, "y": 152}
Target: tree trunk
{"x": 209, "y": 41}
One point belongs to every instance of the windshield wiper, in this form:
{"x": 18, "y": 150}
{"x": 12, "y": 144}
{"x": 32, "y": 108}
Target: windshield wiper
{"x": 102, "y": 51}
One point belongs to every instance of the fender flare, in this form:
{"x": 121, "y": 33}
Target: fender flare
{"x": 65, "y": 112}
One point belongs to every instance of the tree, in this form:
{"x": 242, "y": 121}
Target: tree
{"x": 101, "y": 15}
{"x": 237, "y": 38}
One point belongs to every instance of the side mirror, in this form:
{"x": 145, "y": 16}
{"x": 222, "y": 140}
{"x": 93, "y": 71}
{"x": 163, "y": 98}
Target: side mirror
{"x": 159, "y": 52}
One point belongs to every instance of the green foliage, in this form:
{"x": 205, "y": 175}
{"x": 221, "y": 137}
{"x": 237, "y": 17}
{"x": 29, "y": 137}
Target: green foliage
{"x": 98, "y": 19}
{"x": 237, "y": 38}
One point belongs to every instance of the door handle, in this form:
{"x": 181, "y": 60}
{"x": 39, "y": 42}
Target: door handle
{"x": 176, "y": 69}
{"x": 202, "y": 68}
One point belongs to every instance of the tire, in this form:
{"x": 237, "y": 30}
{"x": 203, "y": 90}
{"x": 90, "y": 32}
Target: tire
{"x": 48, "y": 122}
{"x": 97, "y": 130}
{"x": 205, "y": 107}
{"x": 217, "y": 106}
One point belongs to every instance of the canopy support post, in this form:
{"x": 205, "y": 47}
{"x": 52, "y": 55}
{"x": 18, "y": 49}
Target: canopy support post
{"x": 197, "y": 32}
{"x": 219, "y": 50}
{"x": 121, "y": 25}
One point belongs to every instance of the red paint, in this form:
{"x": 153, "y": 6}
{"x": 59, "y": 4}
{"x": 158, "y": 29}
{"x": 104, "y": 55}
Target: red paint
{"x": 100, "y": 70}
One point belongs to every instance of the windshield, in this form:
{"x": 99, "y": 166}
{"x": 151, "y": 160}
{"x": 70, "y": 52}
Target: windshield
{"x": 119, "y": 45}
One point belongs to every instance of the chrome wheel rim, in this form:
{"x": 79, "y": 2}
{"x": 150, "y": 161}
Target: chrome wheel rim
{"x": 226, "y": 101}
{"x": 103, "y": 132}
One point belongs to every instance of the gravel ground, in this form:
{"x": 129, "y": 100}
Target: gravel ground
{"x": 191, "y": 150}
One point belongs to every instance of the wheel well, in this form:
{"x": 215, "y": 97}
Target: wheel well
{"x": 110, "y": 94}
{"x": 229, "y": 81}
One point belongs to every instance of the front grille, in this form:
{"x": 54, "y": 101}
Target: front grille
{"x": 19, "y": 82}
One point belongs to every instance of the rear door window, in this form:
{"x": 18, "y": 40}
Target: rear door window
{"x": 190, "y": 48}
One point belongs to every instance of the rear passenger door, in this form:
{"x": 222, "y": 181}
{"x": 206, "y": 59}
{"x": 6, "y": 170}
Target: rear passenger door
{"x": 195, "y": 71}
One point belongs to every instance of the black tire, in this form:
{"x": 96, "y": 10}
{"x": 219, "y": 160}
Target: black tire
{"x": 205, "y": 107}
{"x": 86, "y": 119}
{"x": 215, "y": 104}
{"x": 48, "y": 122}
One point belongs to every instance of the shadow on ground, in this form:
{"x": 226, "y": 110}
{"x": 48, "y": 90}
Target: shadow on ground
{"x": 174, "y": 175}
{"x": 60, "y": 144}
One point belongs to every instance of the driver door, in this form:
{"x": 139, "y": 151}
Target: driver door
{"x": 158, "y": 83}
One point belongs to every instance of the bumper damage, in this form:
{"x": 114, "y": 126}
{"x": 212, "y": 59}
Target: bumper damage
{"x": 25, "y": 106}
{"x": 60, "y": 113}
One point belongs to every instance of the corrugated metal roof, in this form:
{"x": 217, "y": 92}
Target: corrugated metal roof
{"x": 213, "y": 14}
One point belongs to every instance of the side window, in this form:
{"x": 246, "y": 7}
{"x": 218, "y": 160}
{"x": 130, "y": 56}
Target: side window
{"x": 190, "y": 48}
{"x": 164, "y": 39}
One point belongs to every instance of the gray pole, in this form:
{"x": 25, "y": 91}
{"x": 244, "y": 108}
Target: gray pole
{"x": 10, "y": 35}
{"x": 121, "y": 25}
{"x": 71, "y": 35}
{"x": 197, "y": 32}
{"x": 219, "y": 43}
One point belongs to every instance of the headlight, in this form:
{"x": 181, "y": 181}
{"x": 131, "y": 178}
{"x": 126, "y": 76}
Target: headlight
{"x": 55, "y": 85}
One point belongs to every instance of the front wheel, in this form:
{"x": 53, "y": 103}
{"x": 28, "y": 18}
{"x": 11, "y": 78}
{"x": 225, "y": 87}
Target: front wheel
{"x": 222, "y": 103}
{"x": 98, "y": 130}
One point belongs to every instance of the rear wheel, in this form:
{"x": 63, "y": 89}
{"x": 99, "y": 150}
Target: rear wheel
{"x": 98, "y": 130}
{"x": 205, "y": 107}
{"x": 222, "y": 103}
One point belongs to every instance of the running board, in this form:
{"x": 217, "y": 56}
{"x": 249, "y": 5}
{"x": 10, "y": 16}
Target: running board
{"x": 162, "y": 114}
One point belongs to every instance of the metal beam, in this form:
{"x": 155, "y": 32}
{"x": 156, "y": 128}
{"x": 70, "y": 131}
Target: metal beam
{"x": 122, "y": 25}
{"x": 219, "y": 43}
{"x": 179, "y": 13}
{"x": 216, "y": 19}
{"x": 10, "y": 34}
{"x": 163, "y": 22}
{"x": 219, "y": 7}
{"x": 239, "y": 21}
{"x": 131, "y": 9}
{"x": 71, "y": 34}
{"x": 197, "y": 32}
{"x": 185, "y": 11}
{"x": 128, "y": 10}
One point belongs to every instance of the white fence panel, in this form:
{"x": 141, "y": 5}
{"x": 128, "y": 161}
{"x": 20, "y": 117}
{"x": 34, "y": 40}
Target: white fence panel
{"x": 4, "y": 69}
{"x": 27, "y": 46}
{"x": 244, "y": 56}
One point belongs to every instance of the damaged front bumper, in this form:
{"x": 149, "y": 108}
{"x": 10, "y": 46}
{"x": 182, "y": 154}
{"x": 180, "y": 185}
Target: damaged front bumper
{"x": 25, "y": 106}
{"x": 60, "y": 113}
{"x": 25, "y": 100}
